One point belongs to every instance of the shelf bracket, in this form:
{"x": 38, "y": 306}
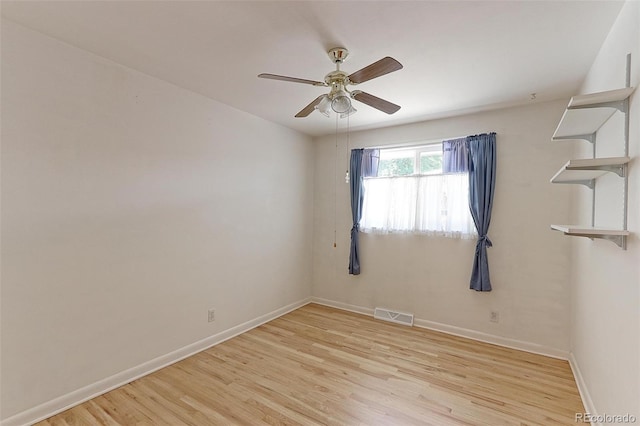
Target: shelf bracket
{"x": 589, "y": 183}
{"x": 590, "y": 137}
{"x": 619, "y": 240}
{"x": 619, "y": 105}
{"x": 619, "y": 169}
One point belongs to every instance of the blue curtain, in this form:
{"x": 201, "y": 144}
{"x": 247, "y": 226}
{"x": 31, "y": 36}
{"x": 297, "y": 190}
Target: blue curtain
{"x": 455, "y": 157}
{"x": 482, "y": 182}
{"x": 370, "y": 162}
{"x": 357, "y": 198}
{"x": 363, "y": 163}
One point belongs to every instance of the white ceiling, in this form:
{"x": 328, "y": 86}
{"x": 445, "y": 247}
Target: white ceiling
{"x": 457, "y": 56}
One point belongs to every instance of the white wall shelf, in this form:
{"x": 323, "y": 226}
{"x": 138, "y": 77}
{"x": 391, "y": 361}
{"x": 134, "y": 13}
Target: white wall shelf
{"x": 582, "y": 119}
{"x": 585, "y": 114}
{"x": 617, "y": 236}
{"x": 586, "y": 171}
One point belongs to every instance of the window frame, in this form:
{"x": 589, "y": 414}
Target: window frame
{"x": 428, "y": 147}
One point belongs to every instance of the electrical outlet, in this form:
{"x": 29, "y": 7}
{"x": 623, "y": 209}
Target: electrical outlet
{"x": 495, "y": 316}
{"x": 212, "y": 315}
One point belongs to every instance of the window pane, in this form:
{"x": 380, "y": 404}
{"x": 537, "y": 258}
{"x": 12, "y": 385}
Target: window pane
{"x": 396, "y": 163}
{"x": 430, "y": 163}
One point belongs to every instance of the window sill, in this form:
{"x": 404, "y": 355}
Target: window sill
{"x": 440, "y": 234}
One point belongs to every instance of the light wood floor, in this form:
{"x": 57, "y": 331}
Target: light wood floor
{"x": 319, "y": 365}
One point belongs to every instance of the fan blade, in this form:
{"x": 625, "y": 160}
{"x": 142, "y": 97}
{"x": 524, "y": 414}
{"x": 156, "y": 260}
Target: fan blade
{"x": 309, "y": 108}
{"x": 375, "y": 102}
{"x": 382, "y": 67}
{"x": 292, "y": 79}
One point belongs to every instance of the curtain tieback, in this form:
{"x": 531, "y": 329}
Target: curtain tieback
{"x": 485, "y": 240}
{"x": 355, "y": 228}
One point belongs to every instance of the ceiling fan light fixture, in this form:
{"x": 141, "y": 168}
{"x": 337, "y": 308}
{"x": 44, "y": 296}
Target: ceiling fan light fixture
{"x": 341, "y": 103}
{"x": 324, "y": 106}
{"x": 350, "y": 112}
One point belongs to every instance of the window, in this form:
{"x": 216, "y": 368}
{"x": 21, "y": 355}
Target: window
{"x": 422, "y": 160}
{"x": 411, "y": 194}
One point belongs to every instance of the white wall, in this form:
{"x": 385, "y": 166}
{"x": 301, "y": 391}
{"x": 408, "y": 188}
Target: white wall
{"x": 529, "y": 263}
{"x": 129, "y": 208}
{"x": 606, "y": 280}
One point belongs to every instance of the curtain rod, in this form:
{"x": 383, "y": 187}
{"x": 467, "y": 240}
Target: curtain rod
{"x": 416, "y": 142}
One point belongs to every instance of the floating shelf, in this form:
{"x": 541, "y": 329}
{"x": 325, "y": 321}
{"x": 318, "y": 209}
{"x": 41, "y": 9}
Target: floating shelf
{"x": 617, "y": 236}
{"x": 585, "y": 171}
{"x": 585, "y": 114}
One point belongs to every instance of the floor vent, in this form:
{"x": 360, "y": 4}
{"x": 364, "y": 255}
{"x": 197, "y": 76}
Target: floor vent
{"x": 393, "y": 316}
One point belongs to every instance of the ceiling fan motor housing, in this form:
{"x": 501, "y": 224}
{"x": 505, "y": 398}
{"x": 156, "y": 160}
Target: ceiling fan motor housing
{"x": 337, "y": 80}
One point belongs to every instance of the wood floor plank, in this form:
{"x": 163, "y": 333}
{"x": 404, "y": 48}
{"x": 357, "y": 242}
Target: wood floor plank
{"x": 322, "y": 366}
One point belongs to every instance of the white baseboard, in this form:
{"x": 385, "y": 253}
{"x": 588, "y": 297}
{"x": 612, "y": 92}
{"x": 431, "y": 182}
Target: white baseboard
{"x": 589, "y": 407}
{"x": 493, "y": 339}
{"x": 343, "y": 306}
{"x": 458, "y": 331}
{"x": 81, "y": 395}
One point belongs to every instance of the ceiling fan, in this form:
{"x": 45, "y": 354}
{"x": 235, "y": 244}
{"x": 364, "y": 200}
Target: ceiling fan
{"x": 339, "y": 97}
